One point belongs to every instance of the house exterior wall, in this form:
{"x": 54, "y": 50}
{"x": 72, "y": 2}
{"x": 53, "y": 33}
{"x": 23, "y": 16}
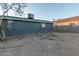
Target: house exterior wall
{"x": 25, "y": 27}
{"x": 67, "y": 21}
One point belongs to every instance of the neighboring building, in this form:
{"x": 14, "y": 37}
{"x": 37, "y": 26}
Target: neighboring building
{"x": 21, "y": 26}
{"x": 67, "y": 21}
{"x": 67, "y": 25}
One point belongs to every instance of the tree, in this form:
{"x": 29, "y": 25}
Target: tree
{"x": 18, "y": 8}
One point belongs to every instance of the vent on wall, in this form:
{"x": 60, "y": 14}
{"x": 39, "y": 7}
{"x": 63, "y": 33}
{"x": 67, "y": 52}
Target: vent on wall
{"x": 30, "y": 16}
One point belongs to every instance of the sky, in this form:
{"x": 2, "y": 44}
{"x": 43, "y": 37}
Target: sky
{"x": 50, "y": 11}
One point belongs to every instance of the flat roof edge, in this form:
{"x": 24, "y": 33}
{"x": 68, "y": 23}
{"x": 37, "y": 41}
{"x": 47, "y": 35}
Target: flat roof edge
{"x": 25, "y": 19}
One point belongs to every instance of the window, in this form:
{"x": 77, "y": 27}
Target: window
{"x": 43, "y": 25}
{"x": 10, "y": 25}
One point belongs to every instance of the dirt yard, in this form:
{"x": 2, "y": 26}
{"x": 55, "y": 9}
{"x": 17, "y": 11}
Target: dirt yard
{"x": 50, "y": 44}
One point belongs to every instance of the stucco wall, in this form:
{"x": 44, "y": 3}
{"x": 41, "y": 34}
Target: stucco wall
{"x": 67, "y": 21}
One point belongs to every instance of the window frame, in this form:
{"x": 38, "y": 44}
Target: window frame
{"x": 8, "y": 24}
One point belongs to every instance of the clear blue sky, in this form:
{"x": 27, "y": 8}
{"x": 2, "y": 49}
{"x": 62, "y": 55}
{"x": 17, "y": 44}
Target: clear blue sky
{"x": 49, "y": 11}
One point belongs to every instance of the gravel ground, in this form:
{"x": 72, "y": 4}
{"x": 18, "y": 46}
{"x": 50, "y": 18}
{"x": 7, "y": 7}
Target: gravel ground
{"x": 50, "y": 44}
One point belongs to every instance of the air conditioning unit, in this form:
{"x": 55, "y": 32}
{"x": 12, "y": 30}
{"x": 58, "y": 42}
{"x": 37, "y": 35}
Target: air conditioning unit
{"x": 30, "y": 16}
